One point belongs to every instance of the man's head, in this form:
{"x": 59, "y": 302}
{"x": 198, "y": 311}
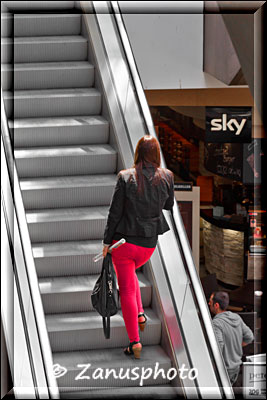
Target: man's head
{"x": 218, "y": 302}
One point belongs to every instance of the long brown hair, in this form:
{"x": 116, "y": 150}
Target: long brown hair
{"x": 147, "y": 151}
{"x": 147, "y": 154}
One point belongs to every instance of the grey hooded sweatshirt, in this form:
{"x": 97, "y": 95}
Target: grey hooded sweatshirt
{"x": 231, "y": 331}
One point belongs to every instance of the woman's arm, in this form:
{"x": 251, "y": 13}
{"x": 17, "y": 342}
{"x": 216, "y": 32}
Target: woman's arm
{"x": 115, "y": 210}
{"x": 170, "y": 201}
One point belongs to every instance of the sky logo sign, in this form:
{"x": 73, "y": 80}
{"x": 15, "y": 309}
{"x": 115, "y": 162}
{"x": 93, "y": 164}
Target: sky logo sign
{"x": 228, "y": 125}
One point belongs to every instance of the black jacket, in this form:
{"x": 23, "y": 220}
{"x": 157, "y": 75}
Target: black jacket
{"x": 135, "y": 214}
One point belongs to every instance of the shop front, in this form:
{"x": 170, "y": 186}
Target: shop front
{"x": 219, "y": 189}
{"x": 231, "y": 221}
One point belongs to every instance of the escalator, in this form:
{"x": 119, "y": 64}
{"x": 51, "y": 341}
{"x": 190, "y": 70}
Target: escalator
{"x": 73, "y": 110}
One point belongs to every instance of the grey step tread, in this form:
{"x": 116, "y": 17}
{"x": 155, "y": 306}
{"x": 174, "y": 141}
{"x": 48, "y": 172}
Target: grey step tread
{"x": 51, "y": 93}
{"x": 46, "y": 75}
{"x": 71, "y": 294}
{"x": 64, "y": 151}
{"x": 73, "y": 160}
{"x": 108, "y": 359}
{"x": 45, "y": 48}
{"x": 61, "y": 249}
{"x": 38, "y": 5}
{"x": 53, "y": 102}
{"x": 67, "y": 191}
{"x": 57, "y": 122}
{"x": 47, "y": 24}
{"x": 67, "y": 258}
{"x": 67, "y": 214}
{"x": 58, "y": 131}
{"x": 64, "y": 328}
{"x": 89, "y": 320}
{"x": 49, "y": 39}
{"x": 43, "y": 15}
{"x": 47, "y": 66}
{"x": 68, "y": 182}
{"x": 67, "y": 224}
{"x": 70, "y": 284}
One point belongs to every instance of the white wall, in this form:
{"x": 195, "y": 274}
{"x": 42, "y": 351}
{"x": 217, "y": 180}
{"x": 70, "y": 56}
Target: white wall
{"x": 168, "y": 48}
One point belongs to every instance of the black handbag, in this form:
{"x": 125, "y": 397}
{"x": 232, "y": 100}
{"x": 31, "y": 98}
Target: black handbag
{"x": 105, "y": 296}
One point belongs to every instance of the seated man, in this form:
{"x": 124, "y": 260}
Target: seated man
{"x": 231, "y": 332}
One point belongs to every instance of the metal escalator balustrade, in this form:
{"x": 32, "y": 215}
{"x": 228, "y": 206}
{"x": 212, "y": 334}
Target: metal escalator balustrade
{"x": 28, "y": 333}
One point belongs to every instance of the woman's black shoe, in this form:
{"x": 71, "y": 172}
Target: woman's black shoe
{"x": 142, "y": 324}
{"x": 133, "y": 349}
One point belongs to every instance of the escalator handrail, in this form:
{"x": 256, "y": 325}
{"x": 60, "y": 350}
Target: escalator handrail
{"x": 31, "y": 274}
{"x": 202, "y": 304}
{"x": 175, "y": 215}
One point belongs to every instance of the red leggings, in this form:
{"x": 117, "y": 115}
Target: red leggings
{"x": 126, "y": 259}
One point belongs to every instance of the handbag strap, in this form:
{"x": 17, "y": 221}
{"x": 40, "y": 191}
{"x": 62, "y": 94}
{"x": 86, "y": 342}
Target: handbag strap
{"x": 108, "y": 266}
{"x": 108, "y": 263}
{"x": 106, "y": 327}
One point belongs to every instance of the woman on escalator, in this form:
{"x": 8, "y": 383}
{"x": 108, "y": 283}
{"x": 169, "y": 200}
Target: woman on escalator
{"x": 136, "y": 214}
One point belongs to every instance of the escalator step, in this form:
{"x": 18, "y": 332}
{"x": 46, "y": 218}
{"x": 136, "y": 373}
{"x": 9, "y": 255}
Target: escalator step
{"x": 47, "y": 24}
{"x": 67, "y": 258}
{"x": 53, "y": 102}
{"x": 45, "y": 49}
{"x": 98, "y": 361}
{"x": 73, "y": 293}
{"x": 57, "y": 225}
{"x": 48, "y": 75}
{"x": 64, "y": 329}
{"x": 72, "y": 191}
{"x": 66, "y": 161}
{"x": 57, "y": 131}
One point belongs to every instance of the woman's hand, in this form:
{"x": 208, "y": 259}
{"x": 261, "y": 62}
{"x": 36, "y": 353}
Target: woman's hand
{"x": 105, "y": 250}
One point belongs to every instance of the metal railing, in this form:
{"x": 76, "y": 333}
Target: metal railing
{"x": 51, "y": 389}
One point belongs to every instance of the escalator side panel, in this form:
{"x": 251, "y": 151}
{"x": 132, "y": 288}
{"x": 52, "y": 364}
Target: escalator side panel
{"x": 103, "y": 82}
